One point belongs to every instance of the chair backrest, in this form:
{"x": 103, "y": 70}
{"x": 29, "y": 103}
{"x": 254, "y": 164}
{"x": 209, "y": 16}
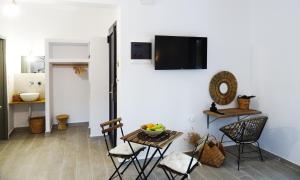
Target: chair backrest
{"x": 109, "y": 127}
{"x": 245, "y": 130}
{"x": 198, "y": 148}
{"x": 253, "y": 127}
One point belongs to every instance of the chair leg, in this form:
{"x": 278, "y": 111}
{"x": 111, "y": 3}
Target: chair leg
{"x": 243, "y": 148}
{"x": 136, "y": 167}
{"x": 239, "y": 156}
{"x": 131, "y": 162}
{"x": 137, "y": 161}
{"x": 261, "y": 157}
{"x": 166, "y": 173}
{"x": 117, "y": 169}
{"x": 171, "y": 175}
{"x": 184, "y": 176}
{"x": 222, "y": 138}
{"x": 126, "y": 167}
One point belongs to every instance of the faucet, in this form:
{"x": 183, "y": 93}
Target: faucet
{"x": 31, "y": 83}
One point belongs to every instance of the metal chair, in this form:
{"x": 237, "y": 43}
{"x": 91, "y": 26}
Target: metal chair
{"x": 128, "y": 152}
{"x": 245, "y": 132}
{"x": 181, "y": 164}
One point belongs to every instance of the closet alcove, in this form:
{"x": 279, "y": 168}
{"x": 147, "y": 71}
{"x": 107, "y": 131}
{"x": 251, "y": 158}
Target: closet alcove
{"x": 67, "y": 81}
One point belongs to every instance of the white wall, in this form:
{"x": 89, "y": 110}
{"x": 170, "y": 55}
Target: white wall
{"x": 99, "y": 84}
{"x": 276, "y": 73}
{"x": 21, "y": 84}
{"x": 71, "y": 94}
{"x": 177, "y": 98}
{"x": 27, "y": 32}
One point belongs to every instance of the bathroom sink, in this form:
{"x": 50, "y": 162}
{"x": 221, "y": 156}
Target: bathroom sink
{"x": 29, "y": 96}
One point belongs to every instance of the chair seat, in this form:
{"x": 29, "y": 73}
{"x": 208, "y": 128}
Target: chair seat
{"x": 178, "y": 161}
{"x": 125, "y": 150}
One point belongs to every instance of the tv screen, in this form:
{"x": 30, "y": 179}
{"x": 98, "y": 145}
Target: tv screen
{"x": 177, "y": 52}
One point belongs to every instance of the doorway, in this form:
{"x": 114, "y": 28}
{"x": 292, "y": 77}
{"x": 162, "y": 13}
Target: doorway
{"x": 112, "y": 41}
{"x": 3, "y": 95}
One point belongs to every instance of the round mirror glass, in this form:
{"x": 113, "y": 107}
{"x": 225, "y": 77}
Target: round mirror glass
{"x": 223, "y": 88}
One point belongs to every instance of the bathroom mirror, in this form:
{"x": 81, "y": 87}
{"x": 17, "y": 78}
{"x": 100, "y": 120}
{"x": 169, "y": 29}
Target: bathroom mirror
{"x": 33, "y": 64}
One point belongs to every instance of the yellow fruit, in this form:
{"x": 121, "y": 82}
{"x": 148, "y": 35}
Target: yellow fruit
{"x": 150, "y": 125}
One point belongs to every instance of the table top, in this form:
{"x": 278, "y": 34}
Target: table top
{"x": 231, "y": 112}
{"x": 132, "y": 137}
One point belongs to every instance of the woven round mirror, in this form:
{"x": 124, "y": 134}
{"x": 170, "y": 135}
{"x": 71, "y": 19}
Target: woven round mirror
{"x": 223, "y": 88}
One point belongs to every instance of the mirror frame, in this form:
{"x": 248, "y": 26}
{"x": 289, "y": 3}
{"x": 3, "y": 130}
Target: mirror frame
{"x": 215, "y": 84}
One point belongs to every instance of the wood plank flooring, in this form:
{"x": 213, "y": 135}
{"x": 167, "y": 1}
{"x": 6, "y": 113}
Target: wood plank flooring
{"x": 72, "y": 155}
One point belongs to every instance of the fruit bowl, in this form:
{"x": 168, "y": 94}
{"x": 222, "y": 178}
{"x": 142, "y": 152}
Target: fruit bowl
{"x": 153, "y": 130}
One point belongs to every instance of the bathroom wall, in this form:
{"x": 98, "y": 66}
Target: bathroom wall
{"x": 22, "y": 84}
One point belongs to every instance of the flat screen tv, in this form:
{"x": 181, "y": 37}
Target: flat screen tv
{"x": 178, "y": 52}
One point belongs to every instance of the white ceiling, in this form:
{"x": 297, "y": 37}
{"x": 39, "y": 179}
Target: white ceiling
{"x": 69, "y": 1}
{"x": 75, "y": 2}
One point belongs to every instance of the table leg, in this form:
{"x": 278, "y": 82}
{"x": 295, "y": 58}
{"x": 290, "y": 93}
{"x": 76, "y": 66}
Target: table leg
{"x": 29, "y": 112}
{"x": 135, "y": 157}
{"x": 144, "y": 167}
{"x": 161, "y": 157}
{"x": 146, "y": 157}
{"x": 160, "y": 154}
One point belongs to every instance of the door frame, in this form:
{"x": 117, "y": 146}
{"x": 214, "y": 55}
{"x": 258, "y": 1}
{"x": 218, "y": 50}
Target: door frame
{"x": 113, "y": 85}
{"x": 4, "y": 124}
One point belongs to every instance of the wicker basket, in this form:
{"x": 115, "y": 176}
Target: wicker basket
{"x": 213, "y": 154}
{"x": 37, "y": 125}
{"x": 243, "y": 103}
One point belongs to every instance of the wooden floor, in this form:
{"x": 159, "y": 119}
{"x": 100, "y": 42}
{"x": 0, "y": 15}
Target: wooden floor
{"x": 72, "y": 155}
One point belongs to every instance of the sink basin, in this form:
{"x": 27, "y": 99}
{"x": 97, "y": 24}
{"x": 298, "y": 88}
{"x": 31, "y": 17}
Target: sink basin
{"x": 29, "y": 96}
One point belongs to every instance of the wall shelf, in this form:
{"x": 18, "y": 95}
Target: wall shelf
{"x": 68, "y": 60}
{"x": 70, "y": 64}
{"x": 69, "y": 50}
{"x": 42, "y": 101}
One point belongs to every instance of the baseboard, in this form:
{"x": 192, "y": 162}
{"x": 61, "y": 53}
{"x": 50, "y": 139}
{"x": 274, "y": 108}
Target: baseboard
{"x": 95, "y": 135}
{"x": 273, "y": 156}
{"x": 20, "y": 129}
{"x": 54, "y": 126}
{"x": 9, "y": 133}
{"x": 79, "y": 124}
{"x": 76, "y": 124}
{"x": 287, "y": 162}
{"x": 84, "y": 124}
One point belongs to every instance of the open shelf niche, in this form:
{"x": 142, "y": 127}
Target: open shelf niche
{"x": 63, "y": 56}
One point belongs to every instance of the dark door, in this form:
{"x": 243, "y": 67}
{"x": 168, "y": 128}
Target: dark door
{"x": 112, "y": 40}
{"x": 3, "y": 98}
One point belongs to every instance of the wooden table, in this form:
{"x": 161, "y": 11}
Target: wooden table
{"x": 158, "y": 146}
{"x": 231, "y": 112}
